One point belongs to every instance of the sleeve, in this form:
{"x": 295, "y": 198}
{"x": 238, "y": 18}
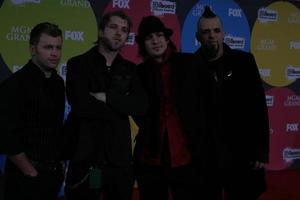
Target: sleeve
{"x": 11, "y": 108}
{"x": 259, "y": 112}
{"x": 132, "y": 102}
{"x": 82, "y": 103}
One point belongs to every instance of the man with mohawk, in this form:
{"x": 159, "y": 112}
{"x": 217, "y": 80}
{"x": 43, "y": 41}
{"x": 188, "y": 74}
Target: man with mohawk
{"x": 236, "y": 143}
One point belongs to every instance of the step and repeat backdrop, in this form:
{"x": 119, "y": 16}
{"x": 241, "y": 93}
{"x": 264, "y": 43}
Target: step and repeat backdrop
{"x": 269, "y": 29}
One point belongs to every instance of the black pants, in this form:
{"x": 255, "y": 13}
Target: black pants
{"x": 116, "y": 183}
{"x": 156, "y": 182}
{"x": 45, "y": 186}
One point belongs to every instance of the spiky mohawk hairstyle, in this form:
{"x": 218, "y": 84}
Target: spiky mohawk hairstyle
{"x": 208, "y": 13}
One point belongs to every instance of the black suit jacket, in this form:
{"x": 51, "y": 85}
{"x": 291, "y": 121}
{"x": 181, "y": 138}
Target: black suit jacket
{"x": 102, "y": 129}
{"x": 237, "y": 131}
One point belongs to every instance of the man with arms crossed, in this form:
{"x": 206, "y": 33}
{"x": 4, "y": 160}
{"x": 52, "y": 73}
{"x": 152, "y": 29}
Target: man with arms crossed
{"x": 103, "y": 89}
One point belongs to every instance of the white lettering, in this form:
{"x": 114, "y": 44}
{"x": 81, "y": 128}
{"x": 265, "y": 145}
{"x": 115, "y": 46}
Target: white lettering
{"x": 74, "y": 35}
{"x": 235, "y": 12}
{"x": 121, "y": 4}
{"x": 291, "y": 127}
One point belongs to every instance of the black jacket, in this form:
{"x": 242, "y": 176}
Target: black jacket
{"x": 238, "y": 128}
{"x": 32, "y": 113}
{"x": 102, "y": 129}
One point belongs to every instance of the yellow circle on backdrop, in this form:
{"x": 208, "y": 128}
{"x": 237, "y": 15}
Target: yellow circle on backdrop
{"x": 275, "y": 42}
{"x": 17, "y": 17}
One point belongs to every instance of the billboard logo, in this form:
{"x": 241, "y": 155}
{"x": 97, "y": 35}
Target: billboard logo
{"x": 235, "y": 42}
{"x": 63, "y": 70}
{"x": 292, "y": 72}
{"x": 198, "y": 9}
{"x": 163, "y": 7}
{"x": 265, "y": 72}
{"x": 290, "y": 154}
{"x": 292, "y": 127}
{"x": 294, "y": 45}
{"x": 74, "y": 35}
{"x": 269, "y": 100}
{"x": 130, "y": 39}
{"x": 267, "y": 15}
{"x": 292, "y": 100}
{"x": 121, "y": 4}
{"x": 17, "y": 2}
{"x": 235, "y": 12}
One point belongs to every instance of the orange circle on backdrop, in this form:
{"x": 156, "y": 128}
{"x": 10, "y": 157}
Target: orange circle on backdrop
{"x": 275, "y": 42}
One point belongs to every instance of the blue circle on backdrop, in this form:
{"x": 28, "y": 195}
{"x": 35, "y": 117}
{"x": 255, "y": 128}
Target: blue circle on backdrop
{"x": 236, "y": 27}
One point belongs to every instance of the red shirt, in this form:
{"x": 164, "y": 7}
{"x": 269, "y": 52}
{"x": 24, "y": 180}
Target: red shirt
{"x": 170, "y": 122}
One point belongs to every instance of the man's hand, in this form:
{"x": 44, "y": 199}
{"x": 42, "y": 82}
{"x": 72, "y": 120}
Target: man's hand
{"x": 23, "y": 163}
{"x": 258, "y": 165}
{"x": 101, "y": 96}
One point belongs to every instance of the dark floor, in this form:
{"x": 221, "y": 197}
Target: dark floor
{"x": 282, "y": 185}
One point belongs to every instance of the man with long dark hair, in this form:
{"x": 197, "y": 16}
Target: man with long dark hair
{"x": 163, "y": 151}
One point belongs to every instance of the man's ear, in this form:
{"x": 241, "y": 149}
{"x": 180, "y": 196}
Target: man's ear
{"x": 31, "y": 50}
{"x": 100, "y": 33}
{"x": 197, "y": 34}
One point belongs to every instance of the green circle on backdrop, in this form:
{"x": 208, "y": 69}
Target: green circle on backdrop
{"x": 17, "y": 17}
{"x": 275, "y": 43}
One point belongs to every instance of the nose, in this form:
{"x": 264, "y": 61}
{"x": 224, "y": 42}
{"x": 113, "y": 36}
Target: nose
{"x": 119, "y": 31}
{"x": 56, "y": 52}
{"x": 211, "y": 34}
{"x": 154, "y": 39}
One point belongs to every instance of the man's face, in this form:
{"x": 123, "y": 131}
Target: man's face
{"x": 211, "y": 35}
{"x": 156, "y": 44}
{"x": 47, "y": 52}
{"x": 115, "y": 34}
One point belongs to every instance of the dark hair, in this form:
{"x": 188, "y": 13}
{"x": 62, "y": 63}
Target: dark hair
{"x": 45, "y": 27}
{"x": 105, "y": 19}
{"x": 207, "y": 14}
{"x": 144, "y": 54}
{"x": 151, "y": 24}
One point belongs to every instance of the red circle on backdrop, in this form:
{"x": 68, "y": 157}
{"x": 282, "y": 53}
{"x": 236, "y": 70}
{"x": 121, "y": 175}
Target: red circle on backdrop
{"x": 284, "y": 117}
{"x": 136, "y": 10}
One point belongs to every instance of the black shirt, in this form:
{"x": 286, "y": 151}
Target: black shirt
{"x": 31, "y": 114}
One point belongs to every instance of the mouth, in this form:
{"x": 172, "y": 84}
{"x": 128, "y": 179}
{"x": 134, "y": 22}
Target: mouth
{"x": 54, "y": 61}
{"x": 213, "y": 42}
{"x": 117, "y": 39}
{"x": 156, "y": 48}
